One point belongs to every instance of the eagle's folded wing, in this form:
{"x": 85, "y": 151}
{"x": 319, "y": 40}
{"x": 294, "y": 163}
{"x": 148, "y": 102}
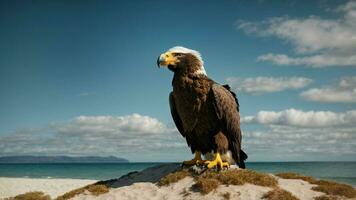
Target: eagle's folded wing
{"x": 227, "y": 111}
{"x": 175, "y": 115}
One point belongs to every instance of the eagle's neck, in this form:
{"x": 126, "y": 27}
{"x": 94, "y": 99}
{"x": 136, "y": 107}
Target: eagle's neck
{"x": 191, "y": 70}
{"x": 186, "y": 80}
{"x": 189, "y": 66}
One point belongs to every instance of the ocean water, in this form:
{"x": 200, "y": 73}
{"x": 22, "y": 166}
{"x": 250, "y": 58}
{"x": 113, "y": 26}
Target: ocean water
{"x": 338, "y": 171}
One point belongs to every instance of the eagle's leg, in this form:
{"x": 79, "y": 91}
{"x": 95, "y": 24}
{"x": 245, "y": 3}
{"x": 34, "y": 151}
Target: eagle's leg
{"x": 217, "y": 162}
{"x": 196, "y": 160}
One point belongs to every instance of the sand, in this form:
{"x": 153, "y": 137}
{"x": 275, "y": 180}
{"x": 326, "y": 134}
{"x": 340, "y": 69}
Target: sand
{"x": 143, "y": 186}
{"x": 181, "y": 190}
{"x": 299, "y": 188}
{"x": 177, "y": 191}
{"x": 10, "y": 187}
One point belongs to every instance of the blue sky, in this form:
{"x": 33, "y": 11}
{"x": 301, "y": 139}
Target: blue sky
{"x": 73, "y": 75}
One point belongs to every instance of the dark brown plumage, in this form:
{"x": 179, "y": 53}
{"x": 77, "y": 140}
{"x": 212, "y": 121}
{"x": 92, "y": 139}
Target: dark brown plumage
{"x": 205, "y": 112}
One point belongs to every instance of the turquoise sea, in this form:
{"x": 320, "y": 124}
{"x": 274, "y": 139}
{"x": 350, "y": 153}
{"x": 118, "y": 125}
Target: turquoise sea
{"x": 338, "y": 171}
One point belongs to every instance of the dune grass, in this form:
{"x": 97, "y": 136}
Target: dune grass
{"x": 290, "y": 175}
{"x": 325, "y": 197}
{"x": 240, "y": 177}
{"x": 279, "y": 194}
{"x": 327, "y": 187}
{"x": 173, "y": 177}
{"x": 333, "y": 188}
{"x": 205, "y": 185}
{"x": 94, "y": 189}
{"x": 210, "y": 180}
{"x": 31, "y": 196}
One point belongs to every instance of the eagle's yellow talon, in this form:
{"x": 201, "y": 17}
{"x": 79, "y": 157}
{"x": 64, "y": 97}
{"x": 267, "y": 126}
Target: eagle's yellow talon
{"x": 225, "y": 165}
{"x": 211, "y": 164}
{"x": 196, "y": 160}
{"x": 217, "y": 162}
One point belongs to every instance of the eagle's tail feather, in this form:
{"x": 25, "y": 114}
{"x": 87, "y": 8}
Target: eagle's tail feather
{"x": 243, "y": 156}
{"x": 238, "y": 155}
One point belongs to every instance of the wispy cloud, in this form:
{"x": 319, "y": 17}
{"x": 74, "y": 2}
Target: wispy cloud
{"x": 295, "y": 143}
{"x": 318, "y": 42}
{"x": 95, "y": 135}
{"x": 322, "y": 60}
{"x": 293, "y": 131}
{"x": 294, "y": 117}
{"x": 344, "y": 92}
{"x": 259, "y": 85}
{"x": 293, "y": 134}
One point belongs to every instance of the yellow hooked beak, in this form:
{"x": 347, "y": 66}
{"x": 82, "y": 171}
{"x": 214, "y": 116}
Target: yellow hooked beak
{"x": 166, "y": 59}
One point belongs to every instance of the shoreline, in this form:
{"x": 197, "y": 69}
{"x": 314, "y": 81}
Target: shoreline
{"x": 49, "y": 178}
{"x": 10, "y": 186}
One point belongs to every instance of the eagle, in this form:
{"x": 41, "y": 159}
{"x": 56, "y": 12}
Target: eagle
{"x": 204, "y": 112}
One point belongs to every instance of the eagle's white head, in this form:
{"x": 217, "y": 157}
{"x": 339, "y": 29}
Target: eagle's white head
{"x": 182, "y": 60}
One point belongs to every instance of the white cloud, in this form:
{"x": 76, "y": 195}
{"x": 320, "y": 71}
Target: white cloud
{"x": 344, "y": 92}
{"x": 317, "y": 61}
{"x": 130, "y": 124}
{"x": 296, "y": 143}
{"x": 143, "y": 138}
{"x": 294, "y": 117}
{"x": 258, "y": 85}
{"x": 329, "y": 95}
{"x": 324, "y": 42}
{"x": 126, "y": 136}
{"x": 300, "y": 135}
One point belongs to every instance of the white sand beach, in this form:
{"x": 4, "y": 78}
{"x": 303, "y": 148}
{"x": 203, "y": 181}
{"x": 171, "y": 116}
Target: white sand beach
{"x": 143, "y": 186}
{"x": 182, "y": 190}
{"x": 10, "y": 187}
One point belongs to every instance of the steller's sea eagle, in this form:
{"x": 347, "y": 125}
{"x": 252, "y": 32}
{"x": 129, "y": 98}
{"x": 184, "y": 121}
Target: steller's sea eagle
{"x": 205, "y": 112}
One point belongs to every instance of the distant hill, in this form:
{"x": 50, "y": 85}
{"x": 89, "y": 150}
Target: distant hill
{"x": 61, "y": 159}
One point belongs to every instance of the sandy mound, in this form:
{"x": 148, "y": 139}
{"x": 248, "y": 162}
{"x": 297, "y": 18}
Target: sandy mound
{"x": 169, "y": 181}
